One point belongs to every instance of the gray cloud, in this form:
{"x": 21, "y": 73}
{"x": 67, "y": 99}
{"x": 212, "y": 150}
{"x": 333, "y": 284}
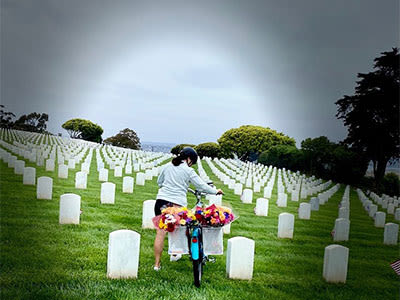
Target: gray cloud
{"x": 210, "y": 65}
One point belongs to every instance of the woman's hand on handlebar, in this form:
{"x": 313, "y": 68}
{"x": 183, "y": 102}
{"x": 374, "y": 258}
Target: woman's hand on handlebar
{"x": 220, "y": 192}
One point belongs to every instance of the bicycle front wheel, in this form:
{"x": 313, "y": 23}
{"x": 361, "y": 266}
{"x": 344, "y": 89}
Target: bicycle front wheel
{"x": 197, "y": 271}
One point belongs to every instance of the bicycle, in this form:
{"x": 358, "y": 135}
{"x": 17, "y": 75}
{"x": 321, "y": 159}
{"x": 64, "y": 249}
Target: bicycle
{"x": 189, "y": 240}
{"x": 194, "y": 234}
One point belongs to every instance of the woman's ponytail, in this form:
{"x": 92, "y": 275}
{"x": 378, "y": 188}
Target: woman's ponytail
{"x": 176, "y": 161}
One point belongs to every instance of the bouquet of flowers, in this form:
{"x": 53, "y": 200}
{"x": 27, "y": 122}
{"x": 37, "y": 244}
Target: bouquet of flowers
{"x": 174, "y": 216}
{"x": 213, "y": 215}
{"x": 216, "y": 216}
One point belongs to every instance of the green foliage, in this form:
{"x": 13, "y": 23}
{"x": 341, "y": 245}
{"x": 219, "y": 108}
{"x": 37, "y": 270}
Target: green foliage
{"x": 391, "y": 184}
{"x": 372, "y": 113}
{"x": 317, "y": 155}
{"x": 178, "y": 148}
{"x": 126, "y": 138}
{"x": 346, "y": 165}
{"x": 6, "y": 118}
{"x": 282, "y": 156}
{"x": 34, "y": 122}
{"x": 83, "y": 129}
{"x": 248, "y": 139}
{"x": 208, "y": 149}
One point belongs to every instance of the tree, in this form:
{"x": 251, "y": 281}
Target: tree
{"x": 208, "y": 149}
{"x": 249, "y": 140}
{"x": 178, "y": 148}
{"x": 6, "y": 118}
{"x": 372, "y": 113}
{"x": 34, "y": 122}
{"x": 317, "y": 155}
{"x": 126, "y": 138}
{"x": 391, "y": 184}
{"x": 83, "y": 129}
{"x": 282, "y": 156}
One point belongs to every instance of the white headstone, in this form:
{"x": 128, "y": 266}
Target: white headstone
{"x": 397, "y": 214}
{"x": 118, "y": 171}
{"x": 391, "y": 233}
{"x": 29, "y": 177}
{"x": 238, "y": 189}
{"x": 314, "y": 203}
{"x": 85, "y": 167}
{"x": 123, "y": 254}
{"x": 128, "y": 169}
{"x": 19, "y": 167}
{"x": 305, "y": 211}
{"x": 344, "y": 213}
{"x": 372, "y": 210}
{"x": 227, "y": 229}
{"x": 127, "y": 184}
{"x": 70, "y": 208}
{"x": 71, "y": 163}
{"x": 390, "y": 208}
{"x": 247, "y": 196}
{"x": 103, "y": 175}
{"x": 50, "y": 164}
{"x": 63, "y": 171}
{"x": 148, "y": 214}
{"x": 215, "y": 199}
{"x": 267, "y": 192}
{"x": 107, "y": 194}
{"x": 262, "y": 207}
{"x": 295, "y": 195}
{"x": 335, "y": 263}
{"x": 44, "y": 188}
{"x": 240, "y": 258}
{"x": 286, "y": 225}
{"x": 140, "y": 179}
{"x": 380, "y": 219}
{"x": 282, "y": 200}
{"x": 341, "y": 230}
{"x": 80, "y": 180}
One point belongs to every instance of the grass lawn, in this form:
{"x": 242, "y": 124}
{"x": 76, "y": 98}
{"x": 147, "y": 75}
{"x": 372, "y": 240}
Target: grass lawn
{"x": 41, "y": 259}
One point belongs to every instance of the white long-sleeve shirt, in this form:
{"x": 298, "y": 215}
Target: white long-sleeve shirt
{"x": 174, "y": 182}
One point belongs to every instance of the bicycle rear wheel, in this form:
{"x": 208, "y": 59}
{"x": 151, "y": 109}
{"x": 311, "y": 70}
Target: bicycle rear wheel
{"x": 197, "y": 271}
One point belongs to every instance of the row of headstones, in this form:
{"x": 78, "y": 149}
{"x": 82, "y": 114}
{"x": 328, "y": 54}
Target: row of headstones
{"x": 124, "y": 252}
{"x": 341, "y": 228}
{"x": 391, "y": 230}
{"x": 388, "y": 203}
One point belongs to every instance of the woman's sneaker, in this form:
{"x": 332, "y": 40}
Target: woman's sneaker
{"x": 157, "y": 268}
{"x": 175, "y": 257}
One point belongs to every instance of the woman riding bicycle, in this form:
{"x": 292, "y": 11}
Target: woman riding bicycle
{"x": 174, "y": 181}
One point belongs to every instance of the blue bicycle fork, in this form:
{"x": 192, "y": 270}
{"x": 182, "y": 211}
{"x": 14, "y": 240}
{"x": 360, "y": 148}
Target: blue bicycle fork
{"x": 194, "y": 244}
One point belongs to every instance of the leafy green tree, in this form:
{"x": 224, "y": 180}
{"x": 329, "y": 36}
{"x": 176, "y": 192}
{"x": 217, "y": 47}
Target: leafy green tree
{"x": 6, "y": 118}
{"x": 83, "y": 129}
{"x": 282, "y": 156}
{"x": 391, "y": 184}
{"x": 34, "y": 122}
{"x": 126, "y": 138}
{"x": 208, "y": 149}
{"x": 317, "y": 155}
{"x": 248, "y": 139}
{"x": 178, "y": 148}
{"x": 372, "y": 113}
{"x": 346, "y": 165}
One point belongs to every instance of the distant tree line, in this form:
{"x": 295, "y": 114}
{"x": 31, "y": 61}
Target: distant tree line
{"x": 371, "y": 116}
{"x": 34, "y": 122}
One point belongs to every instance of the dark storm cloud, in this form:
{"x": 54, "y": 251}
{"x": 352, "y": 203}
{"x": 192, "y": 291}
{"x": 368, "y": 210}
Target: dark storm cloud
{"x": 134, "y": 64}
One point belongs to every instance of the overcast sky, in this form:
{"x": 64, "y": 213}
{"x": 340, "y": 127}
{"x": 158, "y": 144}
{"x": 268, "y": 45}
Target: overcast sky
{"x": 186, "y": 71}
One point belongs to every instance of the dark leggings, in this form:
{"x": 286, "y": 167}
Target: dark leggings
{"x": 160, "y": 205}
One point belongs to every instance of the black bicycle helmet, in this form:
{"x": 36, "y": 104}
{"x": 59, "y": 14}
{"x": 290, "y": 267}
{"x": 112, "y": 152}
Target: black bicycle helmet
{"x": 189, "y": 152}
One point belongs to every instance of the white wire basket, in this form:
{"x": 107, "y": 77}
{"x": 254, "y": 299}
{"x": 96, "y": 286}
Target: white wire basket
{"x": 213, "y": 242}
